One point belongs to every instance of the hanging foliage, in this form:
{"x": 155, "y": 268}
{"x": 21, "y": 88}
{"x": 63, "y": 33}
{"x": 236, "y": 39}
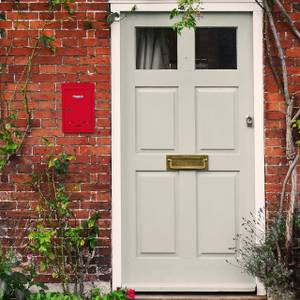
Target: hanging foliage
{"x": 12, "y": 134}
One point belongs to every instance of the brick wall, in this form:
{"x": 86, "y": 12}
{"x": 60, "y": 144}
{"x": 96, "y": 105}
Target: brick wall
{"x": 81, "y": 55}
{"x": 275, "y": 161}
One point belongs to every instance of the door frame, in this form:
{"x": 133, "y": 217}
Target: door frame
{"x": 258, "y": 98}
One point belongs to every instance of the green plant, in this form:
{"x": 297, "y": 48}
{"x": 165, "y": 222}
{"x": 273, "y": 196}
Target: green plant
{"x": 188, "y": 11}
{"x": 264, "y": 255}
{"x": 116, "y": 17}
{"x": 12, "y": 135}
{"x": 88, "y": 25}
{"x": 65, "y": 245}
{"x": 16, "y": 276}
{"x": 47, "y": 41}
{"x": 66, "y": 4}
{"x": 54, "y": 296}
{"x": 95, "y": 294}
{"x": 119, "y": 294}
{"x": 2, "y": 15}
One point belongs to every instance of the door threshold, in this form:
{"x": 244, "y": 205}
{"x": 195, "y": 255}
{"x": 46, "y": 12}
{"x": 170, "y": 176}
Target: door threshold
{"x": 197, "y": 296}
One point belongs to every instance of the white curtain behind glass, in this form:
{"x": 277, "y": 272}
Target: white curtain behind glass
{"x": 152, "y": 49}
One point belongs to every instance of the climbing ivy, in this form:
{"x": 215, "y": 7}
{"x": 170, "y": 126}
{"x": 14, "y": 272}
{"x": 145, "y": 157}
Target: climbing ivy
{"x": 12, "y": 135}
{"x": 65, "y": 245}
{"x": 66, "y": 4}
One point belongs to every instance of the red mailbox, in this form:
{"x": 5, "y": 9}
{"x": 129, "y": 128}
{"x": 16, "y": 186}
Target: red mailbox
{"x": 78, "y": 113}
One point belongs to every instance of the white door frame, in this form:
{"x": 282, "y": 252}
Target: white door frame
{"x": 166, "y": 6}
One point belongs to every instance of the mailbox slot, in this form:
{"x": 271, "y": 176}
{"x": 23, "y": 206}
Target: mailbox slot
{"x": 78, "y": 112}
{"x": 187, "y": 162}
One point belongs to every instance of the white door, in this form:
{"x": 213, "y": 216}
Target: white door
{"x": 187, "y": 94}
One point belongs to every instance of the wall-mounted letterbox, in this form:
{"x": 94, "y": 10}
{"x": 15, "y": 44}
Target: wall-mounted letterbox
{"x": 78, "y": 107}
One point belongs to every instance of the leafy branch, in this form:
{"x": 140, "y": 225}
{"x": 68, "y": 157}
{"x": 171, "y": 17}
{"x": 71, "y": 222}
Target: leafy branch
{"x": 188, "y": 11}
{"x": 116, "y": 17}
{"x": 12, "y": 135}
{"x": 65, "y": 246}
{"x": 66, "y": 4}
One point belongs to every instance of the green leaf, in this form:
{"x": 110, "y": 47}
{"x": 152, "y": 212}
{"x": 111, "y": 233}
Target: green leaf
{"x": 88, "y": 25}
{"x": 12, "y": 117}
{"x": 112, "y": 16}
{"x": 188, "y": 10}
{"x": 2, "y": 15}
{"x": 18, "y": 133}
{"x": 2, "y": 136}
{"x": 174, "y": 13}
{"x": 8, "y": 126}
{"x": 69, "y": 9}
{"x": 47, "y": 42}
{"x": 47, "y": 142}
{"x": 42, "y": 266}
{"x": 2, "y": 33}
{"x": 10, "y": 147}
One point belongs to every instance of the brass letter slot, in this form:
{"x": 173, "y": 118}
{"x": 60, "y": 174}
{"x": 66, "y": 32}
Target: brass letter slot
{"x": 187, "y": 162}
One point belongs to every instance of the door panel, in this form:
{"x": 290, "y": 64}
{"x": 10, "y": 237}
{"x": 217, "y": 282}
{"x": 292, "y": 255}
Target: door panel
{"x": 155, "y": 112}
{"x": 178, "y": 226}
{"x": 156, "y": 196}
{"x": 219, "y": 104}
{"x": 217, "y": 212}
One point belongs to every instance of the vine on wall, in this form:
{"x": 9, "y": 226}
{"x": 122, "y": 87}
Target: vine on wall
{"x": 65, "y": 246}
{"x": 281, "y": 74}
{"x": 12, "y": 134}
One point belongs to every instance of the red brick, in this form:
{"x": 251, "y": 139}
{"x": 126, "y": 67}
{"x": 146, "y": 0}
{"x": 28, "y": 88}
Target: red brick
{"x": 293, "y": 52}
{"x": 274, "y": 115}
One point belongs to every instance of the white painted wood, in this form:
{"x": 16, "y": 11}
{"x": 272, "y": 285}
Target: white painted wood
{"x": 216, "y": 103}
{"x": 259, "y": 119}
{"x": 220, "y": 190}
{"x": 154, "y": 216}
{"x": 157, "y": 199}
{"x": 155, "y": 113}
{"x": 116, "y": 157}
{"x": 116, "y": 122}
{"x": 168, "y": 6}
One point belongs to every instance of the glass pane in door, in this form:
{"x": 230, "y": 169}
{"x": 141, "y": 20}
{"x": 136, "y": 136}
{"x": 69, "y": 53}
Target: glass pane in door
{"x": 216, "y": 48}
{"x": 156, "y": 48}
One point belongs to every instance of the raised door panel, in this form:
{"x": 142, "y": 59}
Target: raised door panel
{"x": 217, "y": 109}
{"x": 156, "y": 213}
{"x": 155, "y": 118}
{"x": 216, "y": 212}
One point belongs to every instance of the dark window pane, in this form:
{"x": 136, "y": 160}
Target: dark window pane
{"x": 216, "y": 48}
{"x": 156, "y": 48}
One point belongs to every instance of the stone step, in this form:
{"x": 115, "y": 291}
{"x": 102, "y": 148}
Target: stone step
{"x": 199, "y": 297}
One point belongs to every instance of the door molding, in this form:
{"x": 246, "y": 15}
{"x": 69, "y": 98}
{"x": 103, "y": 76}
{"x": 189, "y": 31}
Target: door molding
{"x": 165, "y": 6}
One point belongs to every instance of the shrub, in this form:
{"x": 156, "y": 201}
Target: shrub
{"x": 65, "y": 245}
{"x": 265, "y": 256}
{"x": 16, "y": 276}
{"x": 119, "y": 294}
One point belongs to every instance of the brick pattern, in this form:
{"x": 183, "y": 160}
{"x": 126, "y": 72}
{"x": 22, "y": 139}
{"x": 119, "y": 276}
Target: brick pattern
{"x": 275, "y": 161}
{"x": 81, "y": 55}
